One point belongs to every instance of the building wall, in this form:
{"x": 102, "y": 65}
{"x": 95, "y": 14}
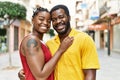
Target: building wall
{"x": 97, "y": 39}
{"x": 24, "y": 29}
{"x": 116, "y": 37}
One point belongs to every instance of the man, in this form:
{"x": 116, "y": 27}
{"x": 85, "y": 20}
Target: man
{"x": 80, "y": 61}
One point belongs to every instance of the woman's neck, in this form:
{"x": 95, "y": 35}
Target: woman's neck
{"x": 39, "y": 35}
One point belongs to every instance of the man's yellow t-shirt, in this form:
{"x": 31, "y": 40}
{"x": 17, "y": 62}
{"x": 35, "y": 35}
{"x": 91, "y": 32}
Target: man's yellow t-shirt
{"x": 80, "y": 55}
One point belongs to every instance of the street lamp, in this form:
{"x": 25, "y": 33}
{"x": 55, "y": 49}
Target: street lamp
{"x": 110, "y": 17}
{"x": 109, "y": 25}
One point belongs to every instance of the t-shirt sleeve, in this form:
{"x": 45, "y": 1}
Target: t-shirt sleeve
{"x": 89, "y": 54}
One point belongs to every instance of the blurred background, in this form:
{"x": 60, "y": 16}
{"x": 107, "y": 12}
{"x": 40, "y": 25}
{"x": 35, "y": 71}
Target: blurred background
{"x": 99, "y": 18}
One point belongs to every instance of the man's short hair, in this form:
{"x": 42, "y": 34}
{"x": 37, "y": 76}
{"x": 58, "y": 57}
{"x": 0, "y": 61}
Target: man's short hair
{"x": 65, "y": 8}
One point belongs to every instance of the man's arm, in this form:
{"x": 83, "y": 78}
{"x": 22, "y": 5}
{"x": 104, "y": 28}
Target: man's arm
{"x": 90, "y": 74}
{"x": 21, "y": 75}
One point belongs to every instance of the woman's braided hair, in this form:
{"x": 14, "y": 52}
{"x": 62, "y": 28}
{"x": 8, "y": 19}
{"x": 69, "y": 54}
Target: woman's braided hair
{"x": 37, "y": 10}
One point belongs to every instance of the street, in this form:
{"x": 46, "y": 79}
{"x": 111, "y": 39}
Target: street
{"x": 109, "y": 66}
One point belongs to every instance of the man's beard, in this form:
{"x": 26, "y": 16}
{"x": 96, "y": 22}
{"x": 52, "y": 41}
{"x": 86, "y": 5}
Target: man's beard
{"x": 66, "y": 29}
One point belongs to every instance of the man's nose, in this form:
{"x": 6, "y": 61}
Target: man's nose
{"x": 58, "y": 20}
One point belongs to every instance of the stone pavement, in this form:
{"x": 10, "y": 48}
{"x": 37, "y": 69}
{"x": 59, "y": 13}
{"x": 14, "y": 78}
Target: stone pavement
{"x": 109, "y": 66}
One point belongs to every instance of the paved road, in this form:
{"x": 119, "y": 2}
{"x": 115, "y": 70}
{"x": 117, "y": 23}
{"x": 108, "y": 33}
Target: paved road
{"x": 109, "y": 66}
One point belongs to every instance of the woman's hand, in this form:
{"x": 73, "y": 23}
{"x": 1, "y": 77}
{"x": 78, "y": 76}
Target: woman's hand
{"x": 65, "y": 44}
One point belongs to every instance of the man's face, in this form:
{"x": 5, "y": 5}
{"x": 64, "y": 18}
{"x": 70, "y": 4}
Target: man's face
{"x": 60, "y": 21}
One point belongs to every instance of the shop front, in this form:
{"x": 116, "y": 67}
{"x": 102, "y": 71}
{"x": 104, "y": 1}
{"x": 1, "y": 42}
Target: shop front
{"x": 100, "y": 34}
{"x": 116, "y": 34}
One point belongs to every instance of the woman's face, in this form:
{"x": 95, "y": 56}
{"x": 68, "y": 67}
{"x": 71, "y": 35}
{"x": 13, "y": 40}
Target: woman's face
{"x": 41, "y": 22}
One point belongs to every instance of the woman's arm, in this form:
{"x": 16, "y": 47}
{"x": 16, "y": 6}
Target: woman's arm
{"x": 35, "y": 57}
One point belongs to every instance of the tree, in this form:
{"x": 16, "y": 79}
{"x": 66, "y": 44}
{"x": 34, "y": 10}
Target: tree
{"x": 51, "y": 33}
{"x": 14, "y": 10}
{"x": 11, "y": 11}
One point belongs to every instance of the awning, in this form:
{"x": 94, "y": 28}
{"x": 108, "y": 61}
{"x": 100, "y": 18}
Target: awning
{"x": 97, "y": 27}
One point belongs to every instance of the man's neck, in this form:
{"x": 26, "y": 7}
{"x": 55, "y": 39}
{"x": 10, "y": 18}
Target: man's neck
{"x": 61, "y": 37}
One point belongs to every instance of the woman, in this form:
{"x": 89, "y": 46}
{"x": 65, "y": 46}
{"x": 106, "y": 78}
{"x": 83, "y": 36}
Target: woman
{"x": 35, "y": 56}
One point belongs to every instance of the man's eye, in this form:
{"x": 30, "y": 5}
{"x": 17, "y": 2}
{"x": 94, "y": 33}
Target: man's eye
{"x": 41, "y": 19}
{"x": 61, "y": 17}
{"x": 53, "y": 20}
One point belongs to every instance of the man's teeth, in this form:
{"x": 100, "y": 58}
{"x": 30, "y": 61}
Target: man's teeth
{"x": 44, "y": 27}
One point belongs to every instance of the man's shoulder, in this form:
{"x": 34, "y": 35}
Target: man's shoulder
{"x": 80, "y": 32}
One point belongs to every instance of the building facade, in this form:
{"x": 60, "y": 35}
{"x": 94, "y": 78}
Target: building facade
{"x": 110, "y": 17}
{"x": 86, "y": 15}
{"x": 11, "y": 35}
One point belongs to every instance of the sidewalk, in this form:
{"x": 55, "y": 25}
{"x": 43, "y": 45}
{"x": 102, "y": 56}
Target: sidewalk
{"x": 109, "y": 66}
{"x": 7, "y": 72}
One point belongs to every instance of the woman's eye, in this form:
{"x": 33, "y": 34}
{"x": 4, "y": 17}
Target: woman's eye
{"x": 49, "y": 21}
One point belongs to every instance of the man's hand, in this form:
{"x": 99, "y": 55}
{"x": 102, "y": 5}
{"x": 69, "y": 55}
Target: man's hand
{"x": 21, "y": 75}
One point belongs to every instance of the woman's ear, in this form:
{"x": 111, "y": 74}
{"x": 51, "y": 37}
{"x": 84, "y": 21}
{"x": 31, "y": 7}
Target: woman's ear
{"x": 32, "y": 21}
{"x": 69, "y": 17}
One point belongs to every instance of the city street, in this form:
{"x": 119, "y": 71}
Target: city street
{"x": 109, "y": 66}
{"x": 100, "y": 19}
